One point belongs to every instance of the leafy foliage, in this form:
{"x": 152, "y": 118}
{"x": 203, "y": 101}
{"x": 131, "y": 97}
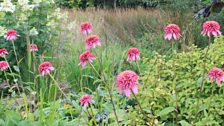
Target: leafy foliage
{"x": 196, "y": 104}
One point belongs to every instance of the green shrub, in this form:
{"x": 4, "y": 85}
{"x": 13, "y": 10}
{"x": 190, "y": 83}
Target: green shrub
{"x": 196, "y": 104}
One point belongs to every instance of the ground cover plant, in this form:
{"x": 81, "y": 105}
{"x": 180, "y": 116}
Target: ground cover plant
{"x": 74, "y": 68}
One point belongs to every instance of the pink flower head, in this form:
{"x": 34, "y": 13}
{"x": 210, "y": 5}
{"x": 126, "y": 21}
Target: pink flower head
{"x": 33, "y": 48}
{"x": 92, "y": 41}
{"x": 45, "y": 68}
{"x": 86, "y": 57}
{"x": 3, "y": 52}
{"x": 11, "y": 35}
{"x": 4, "y": 65}
{"x": 211, "y": 28}
{"x": 86, "y": 100}
{"x": 172, "y": 31}
{"x": 133, "y": 54}
{"x": 86, "y": 28}
{"x": 216, "y": 74}
{"x": 127, "y": 81}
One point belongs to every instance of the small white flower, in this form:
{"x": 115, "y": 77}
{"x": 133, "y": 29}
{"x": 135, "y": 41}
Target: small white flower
{"x": 7, "y": 6}
{"x": 2, "y": 31}
{"x": 33, "y": 31}
{"x": 22, "y": 17}
{"x": 23, "y": 2}
{"x": 37, "y": 2}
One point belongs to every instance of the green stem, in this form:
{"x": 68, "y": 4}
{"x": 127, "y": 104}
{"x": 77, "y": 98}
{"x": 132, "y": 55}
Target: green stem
{"x": 202, "y": 83}
{"x": 56, "y": 83}
{"x": 10, "y": 68}
{"x": 14, "y": 80}
{"x": 6, "y": 78}
{"x": 81, "y": 84}
{"x": 174, "y": 81}
{"x": 88, "y": 115}
{"x": 111, "y": 96}
{"x": 14, "y": 49}
{"x": 95, "y": 70}
{"x": 138, "y": 67}
{"x": 93, "y": 115}
{"x": 204, "y": 70}
{"x": 114, "y": 108}
{"x": 146, "y": 116}
{"x": 210, "y": 101}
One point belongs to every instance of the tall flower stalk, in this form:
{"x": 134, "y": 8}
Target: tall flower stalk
{"x": 172, "y": 32}
{"x": 109, "y": 91}
{"x": 210, "y": 28}
{"x": 14, "y": 49}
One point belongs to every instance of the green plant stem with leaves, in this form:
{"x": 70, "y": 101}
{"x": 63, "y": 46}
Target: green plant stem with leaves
{"x": 174, "y": 80}
{"x": 56, "y": 83}
{"x": 91, "y": 116}
{"x": 204, "y": 67}
{"x": 6, "y": 78}
{"x": 109, "y": 90}
{"x": 138, "y": 66}
{"x": 14, "y": 79}
{"x": 145, "y": 115}
{"x": 14, "y": 49}
{"x": 203, "y": 79}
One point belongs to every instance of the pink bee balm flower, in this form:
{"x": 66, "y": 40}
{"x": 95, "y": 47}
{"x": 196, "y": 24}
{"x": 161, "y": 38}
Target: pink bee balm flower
{"x": 127, "y": 81}
{"x": 92, "y": 41}
{"x": 33, "y": 48}
{"x": 133, "y": 54}
{"x": 172, "y": 31}
{"x": 45, "y": 68}
{"x": 3, "y": 52}
{"x": 216, "y": 74}
{"x": 86, "y": 57}
{"x": 86, "y": 27}
{"x": 86, "y": 100}
{"x": 11, "y": 35}
{"x": 211, "y": 28}
{"x": 4, "y": 65}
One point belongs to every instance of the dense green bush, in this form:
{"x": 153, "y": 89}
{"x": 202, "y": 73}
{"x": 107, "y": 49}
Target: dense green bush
{"x": 192, "y": 98}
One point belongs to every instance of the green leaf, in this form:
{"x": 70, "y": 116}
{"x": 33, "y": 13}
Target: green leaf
{"x": 16, "y": 68}
{"x": 203, "y": 107}
{"x": 184, "y": 123}
{"x": 166, "y": 111}
{"x": 2, "y": 122}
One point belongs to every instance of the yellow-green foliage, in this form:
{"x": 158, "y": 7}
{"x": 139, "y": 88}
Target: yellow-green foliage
{"x": 195, "y": 106}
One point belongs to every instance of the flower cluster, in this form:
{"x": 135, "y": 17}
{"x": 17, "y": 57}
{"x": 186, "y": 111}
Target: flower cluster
{"x": 4, "y": 65}
{"x": 45, "y": 68}
{"x": 11, "y": 35}
{"x": 7, "y": 6}
{"x": 172, "y": 31}
{"x": 86, "y": 28}
{"x": 3, "y": 52}
{"x": 92, "y": 41}
{"x": 216, "y": 74}
{"x": 86, "y": 57}
{"x": 211, "y": 28}
{"x": 86, "y": 100}
{"x": 133, "y": 54}
{"x": 127, "y": 81}
{"x": 33, "y": 48}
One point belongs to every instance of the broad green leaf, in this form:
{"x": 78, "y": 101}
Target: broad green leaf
{"x": 166, "y": 111}
{"x": 184, "y": 123}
